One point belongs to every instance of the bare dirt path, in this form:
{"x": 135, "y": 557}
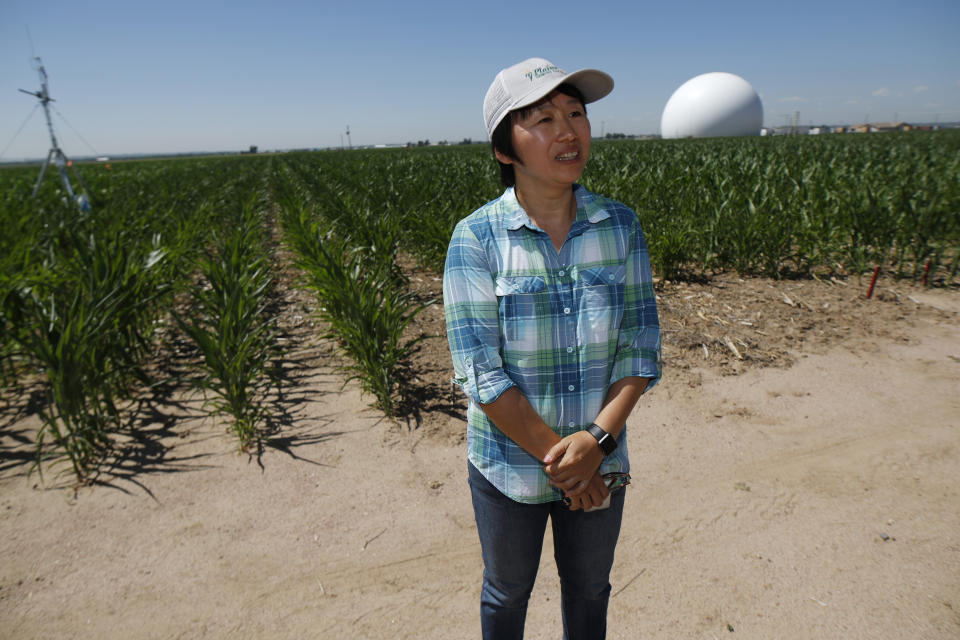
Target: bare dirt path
{"x": 806, "y": 489}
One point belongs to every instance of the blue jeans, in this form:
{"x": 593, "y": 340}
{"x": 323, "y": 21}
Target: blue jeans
{"x": 511, "y": 539}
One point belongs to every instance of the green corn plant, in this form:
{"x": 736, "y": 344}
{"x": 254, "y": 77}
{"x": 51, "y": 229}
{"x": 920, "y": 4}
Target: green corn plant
{"x": 232, "y": 325}
{"x": 669, "y": 252}
{"x": 366, "y": 308}
{"x": 85, "y": 321}
{"x": 370, "y": 318}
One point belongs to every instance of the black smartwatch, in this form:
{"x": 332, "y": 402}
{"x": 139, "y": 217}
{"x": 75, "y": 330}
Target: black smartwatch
{"x": 606, "y": 442}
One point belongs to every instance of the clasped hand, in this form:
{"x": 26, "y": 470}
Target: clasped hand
{"x": 572, "y": 465}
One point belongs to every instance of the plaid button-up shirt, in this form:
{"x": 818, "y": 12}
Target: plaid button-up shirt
{"x": 561, "y": 326}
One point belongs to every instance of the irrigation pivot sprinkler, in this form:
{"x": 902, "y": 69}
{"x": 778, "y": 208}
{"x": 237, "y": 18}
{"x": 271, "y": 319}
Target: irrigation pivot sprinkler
{"x": 56, "y": 154}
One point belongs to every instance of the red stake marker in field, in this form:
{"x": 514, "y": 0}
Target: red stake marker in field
{"x": 873, "y": 281}
{"x": 926, "y": 270}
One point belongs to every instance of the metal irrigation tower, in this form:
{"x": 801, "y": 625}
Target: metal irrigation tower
{"x": 55, "y": 154}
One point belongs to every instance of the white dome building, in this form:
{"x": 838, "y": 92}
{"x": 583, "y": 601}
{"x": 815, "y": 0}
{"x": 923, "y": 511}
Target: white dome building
{"x": 711, "y": 105}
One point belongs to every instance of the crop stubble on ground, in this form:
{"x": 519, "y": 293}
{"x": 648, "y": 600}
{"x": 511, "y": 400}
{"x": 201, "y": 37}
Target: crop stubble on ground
{"x": 726, "y": 323}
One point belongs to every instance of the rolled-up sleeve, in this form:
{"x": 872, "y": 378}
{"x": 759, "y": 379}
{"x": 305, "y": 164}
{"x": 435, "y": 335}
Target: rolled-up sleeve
{"x": 638, "y": 347}
{"x": 471, "y": 312}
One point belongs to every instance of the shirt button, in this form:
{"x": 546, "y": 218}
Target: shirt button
{"x": 566, "y": 310}
{"x": 569, "y": 349}
{"x": 560, "y": 272}
{"x": 571, "y": 423}
{"x": 611, "y": 276}
{"x": 570, "y": 388}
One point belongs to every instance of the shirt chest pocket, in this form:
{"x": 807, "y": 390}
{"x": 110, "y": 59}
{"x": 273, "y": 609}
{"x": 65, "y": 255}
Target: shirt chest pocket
{"x": 522, "y": 300}
{"x": 601, "y": 293}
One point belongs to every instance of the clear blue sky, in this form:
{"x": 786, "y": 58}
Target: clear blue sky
{"x": 156, "y": 77}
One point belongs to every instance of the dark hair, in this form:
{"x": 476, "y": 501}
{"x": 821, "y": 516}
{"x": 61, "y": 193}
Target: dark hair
{"x": 502, "y": 138}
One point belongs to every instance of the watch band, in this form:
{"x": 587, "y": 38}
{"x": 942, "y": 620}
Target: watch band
{"x": 605, "y": 441}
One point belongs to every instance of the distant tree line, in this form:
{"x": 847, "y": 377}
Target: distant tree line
{"x": 426, "y": 143}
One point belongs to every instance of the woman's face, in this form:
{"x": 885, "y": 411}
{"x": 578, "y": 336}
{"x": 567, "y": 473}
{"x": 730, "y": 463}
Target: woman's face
{"x": 551, "y": 141}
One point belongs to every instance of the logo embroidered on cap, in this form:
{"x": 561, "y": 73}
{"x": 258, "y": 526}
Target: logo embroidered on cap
{"x": 539, "y": 72}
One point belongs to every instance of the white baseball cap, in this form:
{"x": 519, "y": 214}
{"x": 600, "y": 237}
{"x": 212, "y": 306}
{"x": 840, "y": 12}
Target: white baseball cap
{"x": 527, "y": 82}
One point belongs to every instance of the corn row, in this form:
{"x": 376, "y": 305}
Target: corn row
{"x": 363, "y": 301}
{"x": 231, "y": 322}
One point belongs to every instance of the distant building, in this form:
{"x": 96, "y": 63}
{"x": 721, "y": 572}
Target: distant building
{"x": 787, "y": 130}
{"x": 878, "y": 127}
{"x": 889, "y": 126}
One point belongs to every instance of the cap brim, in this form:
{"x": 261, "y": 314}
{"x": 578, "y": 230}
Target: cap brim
{"x": 592, "y": 83}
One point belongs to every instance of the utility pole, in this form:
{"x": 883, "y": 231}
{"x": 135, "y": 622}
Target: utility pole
{"x": 350, "y": 144}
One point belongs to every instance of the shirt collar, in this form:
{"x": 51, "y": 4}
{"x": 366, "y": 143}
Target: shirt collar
{"x": 588, "y": 209}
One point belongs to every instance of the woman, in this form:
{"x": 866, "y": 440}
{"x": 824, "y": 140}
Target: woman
{"x": 553, "y": 329}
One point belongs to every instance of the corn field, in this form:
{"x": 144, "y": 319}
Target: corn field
{"x": 189, "y": 249}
